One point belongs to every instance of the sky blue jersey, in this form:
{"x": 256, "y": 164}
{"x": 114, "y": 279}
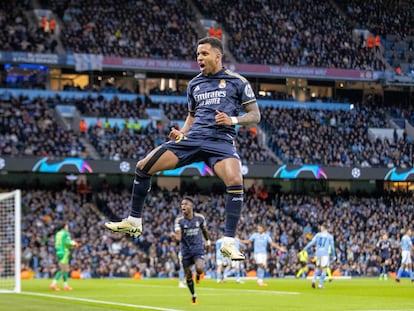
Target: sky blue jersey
{"x": 324, "y": 244}
{"x": 260, "y": 242}
{"x": 224, "y": 91}
{"x": 406, "y": 243}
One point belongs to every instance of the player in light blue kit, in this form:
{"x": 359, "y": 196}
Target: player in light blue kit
{"x": 261, "y": 240}
{"x": 406, "y": 262}
{"x": 221, "y": 261}
{"x": 235, "y": 266}
{"x": 216, "y": 97}
{"x": 325, "y": 247}
{"x": 225, "y": 266}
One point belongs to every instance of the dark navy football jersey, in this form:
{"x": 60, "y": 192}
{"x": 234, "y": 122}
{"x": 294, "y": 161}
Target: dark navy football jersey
{"x": 192, "y": 242}
{"x": 385, "y": 247}
{"x": 225, "y": 91}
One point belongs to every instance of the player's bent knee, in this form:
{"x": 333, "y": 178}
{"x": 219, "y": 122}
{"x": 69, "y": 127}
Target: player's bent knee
{"x": 146, "y": 164}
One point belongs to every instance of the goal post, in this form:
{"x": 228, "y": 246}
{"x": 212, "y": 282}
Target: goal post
{"x": 10, "y": 241}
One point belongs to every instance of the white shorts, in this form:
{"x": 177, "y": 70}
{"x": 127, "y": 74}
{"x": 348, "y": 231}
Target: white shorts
{"x": 322, "y": 261}
{"x": 222, "y": 262}
{"x": 405, "y": 257}
{"x": 260, "y": 259}
{"x": 235, "y": 264}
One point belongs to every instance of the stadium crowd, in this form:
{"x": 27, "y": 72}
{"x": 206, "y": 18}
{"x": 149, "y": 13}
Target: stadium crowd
{"x": 19, "y": 34}
{"x": 304, "y": 33}
{"x": 295, "y": 136}
{"x": 307, "y": 33}
{"x": 381, "y": 17}
{"x": 337, "y": 137}
{"x": 127, "y": 28}
{"x": 357, "y": 221}
{"x": 28, "y": 127}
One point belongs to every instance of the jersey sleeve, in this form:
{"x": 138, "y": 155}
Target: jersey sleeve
{"x": 247, "y": 94}
{"x": 67, "y": 241}
{"x": 191, "y": 103}
{"x": 177, "y": 226}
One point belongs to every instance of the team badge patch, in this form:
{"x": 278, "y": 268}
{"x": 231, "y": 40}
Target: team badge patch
{"x": 222, "y": 84}
{"x": 248, "y": 91}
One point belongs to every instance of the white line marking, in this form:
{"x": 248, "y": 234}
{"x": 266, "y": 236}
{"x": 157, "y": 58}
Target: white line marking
{"x": 100, "y": 302}
{"x": 257, "y": 291}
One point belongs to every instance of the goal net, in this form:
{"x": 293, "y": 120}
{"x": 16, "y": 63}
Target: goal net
{"x": 10, "y": 247}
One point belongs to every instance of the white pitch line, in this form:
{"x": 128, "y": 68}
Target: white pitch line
{"x": 257, "y": 291}
{"x": 102, "y": 302}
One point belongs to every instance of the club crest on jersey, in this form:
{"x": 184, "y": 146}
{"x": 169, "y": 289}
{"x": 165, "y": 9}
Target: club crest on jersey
{"x": 222, "y": 84}
{"x": 248, "y": 91}
{"x": 197, "y": 224}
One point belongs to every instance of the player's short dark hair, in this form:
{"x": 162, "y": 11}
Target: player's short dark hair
{"x": 188, "y": 198}
{"x": 325, "y": 225}
{"x": 61, "y": 225}
{"x": 214, "y": 42}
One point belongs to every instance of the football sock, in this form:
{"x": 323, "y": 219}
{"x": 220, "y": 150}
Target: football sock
{"x": 329, "y": 272}
{"x": 410, "y": 273}
{"x": 57, "y": 276}
{"x": 316, "y": 274}
{"x": 190, "y": 285}
{"x": 181, "y": 275}
{"x": 260, "y": 274}
{"x": 234, "y": 204}
{"x": 140, "y": 189}
{"x": 399, "y": 273}
{"x": 322, "y": 278}
{"x": 65, "y": 276}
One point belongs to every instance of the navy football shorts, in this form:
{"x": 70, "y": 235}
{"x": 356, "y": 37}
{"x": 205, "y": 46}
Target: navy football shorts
{"x": 189, "y": 261}
{"x": 190, "y": 150}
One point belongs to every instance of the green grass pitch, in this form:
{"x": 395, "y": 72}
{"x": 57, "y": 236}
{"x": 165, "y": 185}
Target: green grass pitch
{"x": 164, "y": 295}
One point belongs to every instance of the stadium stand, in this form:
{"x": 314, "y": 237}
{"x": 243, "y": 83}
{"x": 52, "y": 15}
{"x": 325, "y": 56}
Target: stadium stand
{"x": 292, "y": 219}
{"x": 316, "y": 34}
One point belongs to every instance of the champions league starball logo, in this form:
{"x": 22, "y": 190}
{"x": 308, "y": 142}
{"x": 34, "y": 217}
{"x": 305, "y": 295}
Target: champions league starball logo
{"x": 315, "y": 170}
{"x": 45, "y": 165}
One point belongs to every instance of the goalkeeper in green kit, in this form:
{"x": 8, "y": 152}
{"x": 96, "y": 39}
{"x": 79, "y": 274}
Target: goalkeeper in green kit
{"x": 63, "y": 246}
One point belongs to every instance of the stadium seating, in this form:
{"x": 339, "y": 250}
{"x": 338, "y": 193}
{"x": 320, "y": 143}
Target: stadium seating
{"x": 291, "y": 220}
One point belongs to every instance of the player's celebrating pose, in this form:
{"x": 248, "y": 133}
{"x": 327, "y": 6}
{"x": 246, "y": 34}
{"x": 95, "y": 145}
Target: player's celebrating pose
{"x": 215, "y": 98}
{"x": 189, "y": 231}
{"x": 324, "y": 245}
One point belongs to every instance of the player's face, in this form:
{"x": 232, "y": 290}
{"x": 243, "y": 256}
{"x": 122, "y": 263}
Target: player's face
{"x": 209, "y": 59}
{"x": 186, "y": 208}
{"x": 260, "y": 229}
